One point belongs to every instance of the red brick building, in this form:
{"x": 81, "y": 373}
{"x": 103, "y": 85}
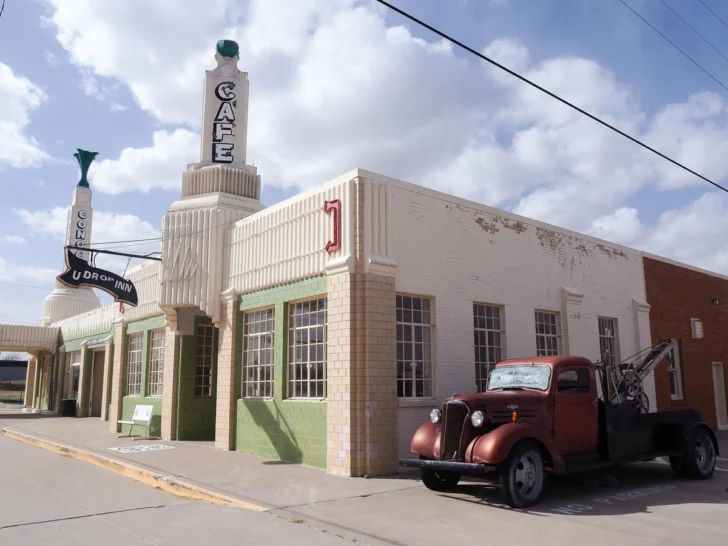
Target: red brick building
{"x": 690, "y": 306}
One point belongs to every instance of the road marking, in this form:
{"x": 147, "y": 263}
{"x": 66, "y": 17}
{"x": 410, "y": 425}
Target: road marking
{"x": 623, "y": 496}
{"x": 143, "y": 447}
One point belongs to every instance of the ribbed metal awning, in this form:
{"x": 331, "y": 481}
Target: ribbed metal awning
{"x": 24, "y": 339}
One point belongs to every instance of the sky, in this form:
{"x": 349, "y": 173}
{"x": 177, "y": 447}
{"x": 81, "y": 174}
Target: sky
{"x": 341, "y": 84}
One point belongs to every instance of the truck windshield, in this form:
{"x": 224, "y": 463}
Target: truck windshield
{"x": 528, "y": 376}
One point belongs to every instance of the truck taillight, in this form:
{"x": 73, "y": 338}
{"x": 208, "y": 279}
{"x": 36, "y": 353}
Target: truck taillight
{"x": 514, "y": 416}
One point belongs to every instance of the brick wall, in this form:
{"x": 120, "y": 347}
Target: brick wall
{"x": 677, "y": 294}
{"x": 457, "y": 252}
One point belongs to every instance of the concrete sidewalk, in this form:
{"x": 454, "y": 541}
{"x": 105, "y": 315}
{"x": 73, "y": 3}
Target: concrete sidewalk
{"x": 263, "y": 482}
{"x": 648, "y": 505}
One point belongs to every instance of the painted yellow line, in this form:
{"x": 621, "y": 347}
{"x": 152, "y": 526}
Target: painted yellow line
{"x": 166, "y": 483}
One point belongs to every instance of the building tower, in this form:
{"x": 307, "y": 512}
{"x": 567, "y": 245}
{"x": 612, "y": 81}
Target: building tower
{"x": 64, "y": 301}
{"x": 216, "y": 192}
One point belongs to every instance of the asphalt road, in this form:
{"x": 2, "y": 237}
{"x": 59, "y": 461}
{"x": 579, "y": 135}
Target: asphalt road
{"x": 48, "y": 499}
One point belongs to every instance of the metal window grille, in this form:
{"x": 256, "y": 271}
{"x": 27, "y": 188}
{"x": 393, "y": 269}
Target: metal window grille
{"x": 307, "y": 349}
{"x": 414, "y": 347}
{"x": 134, "y": 366}
{"x": 608, "y": 339}
{"x": 547, "y": 333}
{"x": 258, "y": 333}
{"x": 203, "y": 362}
{"x": 488, "y": 333}
{"x": 156, "y": 363}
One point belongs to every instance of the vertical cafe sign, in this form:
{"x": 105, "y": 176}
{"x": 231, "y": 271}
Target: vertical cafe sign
{"x": 223, "y": 143}
{"x": 225, "y": 109}
{"x": 78, "y": 237}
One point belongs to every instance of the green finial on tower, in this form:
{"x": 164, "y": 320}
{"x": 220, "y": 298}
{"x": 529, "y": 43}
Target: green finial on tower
{"x": 84, "y": 159}
{"x": 228, "y": 48}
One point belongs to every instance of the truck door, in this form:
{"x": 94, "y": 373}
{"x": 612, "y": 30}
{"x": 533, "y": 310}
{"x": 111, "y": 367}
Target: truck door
{"x": 576, "y": 424}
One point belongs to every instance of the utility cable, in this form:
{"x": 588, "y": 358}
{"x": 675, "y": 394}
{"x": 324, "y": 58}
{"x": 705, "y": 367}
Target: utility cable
{"x": 673, "y": 44}
{"x": 549, "y": 93}
{"x": 694, "y": 30}
{"x": 714, "y": 14}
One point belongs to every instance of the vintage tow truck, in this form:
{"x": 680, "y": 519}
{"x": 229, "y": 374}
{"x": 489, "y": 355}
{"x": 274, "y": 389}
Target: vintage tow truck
{"x": 561, "y": 415}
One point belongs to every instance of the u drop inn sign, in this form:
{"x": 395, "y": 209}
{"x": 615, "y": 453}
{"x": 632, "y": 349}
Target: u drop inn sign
{"x": 80, "y": 273}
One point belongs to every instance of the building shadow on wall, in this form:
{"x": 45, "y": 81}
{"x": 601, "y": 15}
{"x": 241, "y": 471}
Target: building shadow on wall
{"x": 277, "y": 430}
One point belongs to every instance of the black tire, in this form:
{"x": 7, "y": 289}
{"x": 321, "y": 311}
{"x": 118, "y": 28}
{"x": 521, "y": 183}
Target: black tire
{"x": 439, "y": 481}
{"x": 699, "y": 459}
{"x": 677, "y": 463}
{"x": 523, "y": 476}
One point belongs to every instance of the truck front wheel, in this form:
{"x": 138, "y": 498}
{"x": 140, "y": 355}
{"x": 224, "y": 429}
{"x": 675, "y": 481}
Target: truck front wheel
{"x": 523, "y": 476}
{"x": 439, "y": 481}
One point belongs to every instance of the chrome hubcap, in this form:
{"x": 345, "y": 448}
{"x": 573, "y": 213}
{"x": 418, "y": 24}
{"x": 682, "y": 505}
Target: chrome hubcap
{"x": 528, "y": 476}
{"x": 705, "y": 454}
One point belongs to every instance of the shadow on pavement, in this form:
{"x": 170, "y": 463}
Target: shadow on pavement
{"x": 628, "y": 490}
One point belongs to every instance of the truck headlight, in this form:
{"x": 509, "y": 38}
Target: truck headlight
{"x": 477, "y": 418}
{"x": 435, "y": 415}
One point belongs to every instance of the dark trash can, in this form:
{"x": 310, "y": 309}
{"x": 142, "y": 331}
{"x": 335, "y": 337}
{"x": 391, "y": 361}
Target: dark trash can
{"x": 68, "y": 407}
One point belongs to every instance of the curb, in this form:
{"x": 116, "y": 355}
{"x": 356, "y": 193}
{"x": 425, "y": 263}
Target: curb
{"x": 169, "y": 484}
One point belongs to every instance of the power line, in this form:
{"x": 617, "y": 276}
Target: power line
{"x": 549, "y": 93}
{"x": 673, "y": 44}
{"x": 694, "y": 30}
{"x": 2, "y": 8}
{"x": 26, "y": 286}
{"x": 128, "y": 241}
{"x": 714, "y": 14}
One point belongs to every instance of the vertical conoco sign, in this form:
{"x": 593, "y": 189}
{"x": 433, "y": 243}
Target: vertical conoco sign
{"x": 333, "y": 207}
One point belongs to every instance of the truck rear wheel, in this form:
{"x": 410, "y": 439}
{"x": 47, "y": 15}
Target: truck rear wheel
{"x": 523, "y": 476}
{"x": 700, "y": 458}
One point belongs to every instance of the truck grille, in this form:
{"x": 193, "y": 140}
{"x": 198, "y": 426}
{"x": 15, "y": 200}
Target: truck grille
{"x": 454, "y": 414}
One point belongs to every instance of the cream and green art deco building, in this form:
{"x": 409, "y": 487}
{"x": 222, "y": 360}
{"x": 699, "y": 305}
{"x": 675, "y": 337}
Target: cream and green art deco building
{"x": 321, "y": 330}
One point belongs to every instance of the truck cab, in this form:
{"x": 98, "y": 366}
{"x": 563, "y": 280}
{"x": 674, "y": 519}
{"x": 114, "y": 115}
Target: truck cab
{"x": 548, "y": 414}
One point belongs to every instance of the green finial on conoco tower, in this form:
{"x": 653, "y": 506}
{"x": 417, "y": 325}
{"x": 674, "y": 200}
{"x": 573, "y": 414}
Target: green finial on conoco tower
{"x": 227, "y": 48}
{"x": 85, "y": 159}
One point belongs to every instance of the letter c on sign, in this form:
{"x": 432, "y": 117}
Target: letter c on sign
{"x": 224, "y": 91}
{"x": 82, "y": 214}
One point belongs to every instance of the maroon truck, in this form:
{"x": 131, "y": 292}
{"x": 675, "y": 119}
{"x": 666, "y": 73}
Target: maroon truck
{"x": 551, "y": 414}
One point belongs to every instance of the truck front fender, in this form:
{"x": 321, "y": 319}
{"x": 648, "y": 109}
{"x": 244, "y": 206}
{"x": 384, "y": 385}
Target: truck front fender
{"x": 426, "y": 440}
{"x": 493, "y": 448}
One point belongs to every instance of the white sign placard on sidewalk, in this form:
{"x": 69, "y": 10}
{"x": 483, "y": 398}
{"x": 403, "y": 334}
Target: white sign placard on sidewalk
{"x": 144, "y": 447}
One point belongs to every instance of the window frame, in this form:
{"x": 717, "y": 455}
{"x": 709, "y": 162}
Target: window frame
{"x": 614, "y": 355}
{"x": 675, "y": 377}
{"x": 244, "y": 384}
{"x": 74, "y": 372}
{"x": 546, "y": 336}
{"x": 137, "y": 371}
{"x": 159, "y": 384}
{"x": 430, "y": 328}
{"x": 481, "y": 381}
{"x": 200, "y": 387}
{"x": 576, "y": 369}
{"x": 291, "y": 362}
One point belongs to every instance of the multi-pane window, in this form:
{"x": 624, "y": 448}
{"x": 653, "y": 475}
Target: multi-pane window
{"x": 307, "y": 349}
{"x": 134, "y": 365}
{"x": 203, "y": 361}
{"x": 414, "y": 347}
{"x": 608, "y": 340}
{"x": 75, "y": 372}
{"x": 156, "y": 362}
{"x": 487, "y": 324}
{"x": 258, "y": 327}
{"x": 547, "y": 333}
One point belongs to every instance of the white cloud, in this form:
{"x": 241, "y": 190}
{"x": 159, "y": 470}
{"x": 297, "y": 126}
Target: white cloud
{"x": 24, "y": 274}
{"x": 19, "y": 97}
{"x": 159, "y": 166}
{"x": 333, "y": 88}
{"x": 51, "y": 59}
{"x": 15, "y": 240}
{"x": 694, "y": 234}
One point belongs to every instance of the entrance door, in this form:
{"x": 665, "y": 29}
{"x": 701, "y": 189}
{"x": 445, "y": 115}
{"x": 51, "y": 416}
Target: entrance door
{"x": 576, "y": 423}
{"x": 97, "y": 384}
{"x": 720, "y": 398}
